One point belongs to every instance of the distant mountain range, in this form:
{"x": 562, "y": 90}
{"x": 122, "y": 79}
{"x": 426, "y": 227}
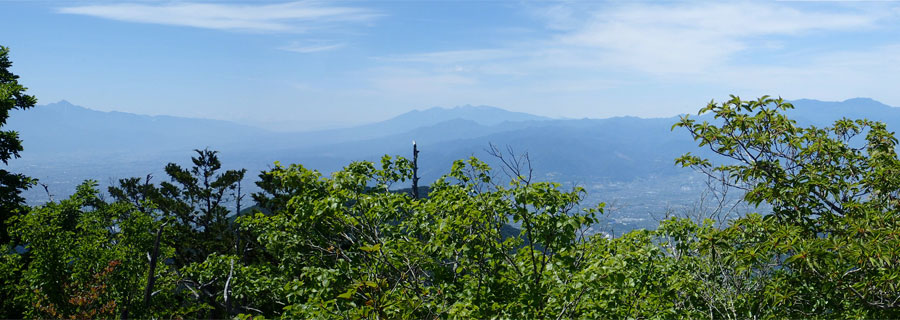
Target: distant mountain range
{"x": 65, "y": 143}
{"x": 63, "y": 129}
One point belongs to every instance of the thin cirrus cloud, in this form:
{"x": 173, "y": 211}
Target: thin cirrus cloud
{"x": 312, "y": 48}
{"x": 658, "y": 39}
{"x": 282, "y": 17}
{"x": 617, "y": 48}
{"x": 687, "y": 38}
{"x": 453, "y": 56}
{"x": 868, "y": 72}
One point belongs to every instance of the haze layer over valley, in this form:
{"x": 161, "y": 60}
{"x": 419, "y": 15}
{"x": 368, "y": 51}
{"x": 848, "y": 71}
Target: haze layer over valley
{"x": 627, "y": 162}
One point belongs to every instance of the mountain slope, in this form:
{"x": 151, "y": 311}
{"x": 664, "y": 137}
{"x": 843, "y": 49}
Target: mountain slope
{"x": 410, "y": 121}
{"x": 62, "y": 129}
{"x": 613, "y": 149}
{"x": 65, "y": 144}
{"x": 820, "y": 113}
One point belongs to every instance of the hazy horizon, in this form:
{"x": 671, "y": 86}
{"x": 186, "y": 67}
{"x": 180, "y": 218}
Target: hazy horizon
{"x": 394, "y": 116}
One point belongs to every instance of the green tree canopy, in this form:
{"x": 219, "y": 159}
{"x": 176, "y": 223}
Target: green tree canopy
{"x": 351, "y": 245}
{"x": 831, "y": 244}
{"x": 12, "y": 97}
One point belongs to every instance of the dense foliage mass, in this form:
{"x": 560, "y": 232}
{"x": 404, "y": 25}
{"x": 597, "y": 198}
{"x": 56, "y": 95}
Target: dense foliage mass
{"x": 352, "y": 246}
{"x": 12, "y": 97}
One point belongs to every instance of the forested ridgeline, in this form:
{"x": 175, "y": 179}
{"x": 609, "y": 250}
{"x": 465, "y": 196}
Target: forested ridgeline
{"x": 350, "y": 246}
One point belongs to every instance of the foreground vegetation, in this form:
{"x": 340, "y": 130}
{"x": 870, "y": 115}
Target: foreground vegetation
{"x": 347, "y": 246}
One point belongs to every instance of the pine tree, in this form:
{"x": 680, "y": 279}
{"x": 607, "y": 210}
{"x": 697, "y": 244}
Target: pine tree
{"x": 12, "y": 97}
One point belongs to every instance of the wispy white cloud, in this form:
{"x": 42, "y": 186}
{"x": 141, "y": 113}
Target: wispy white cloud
{"x": 868, "y": 72}
{"x": 615, "y": 50}
{"x": 692, "y": 37}
{"x": 415, "y": 82}
{"x": 453, "y": 56}
{"x": 283, "y": 17}
{"x": 480, "y": 61}
{"x": 659, "y": 39}
{"x": 311, "y": 47}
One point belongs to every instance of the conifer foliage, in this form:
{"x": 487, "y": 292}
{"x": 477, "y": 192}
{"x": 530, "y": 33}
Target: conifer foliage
{"x": 12, "y": 97}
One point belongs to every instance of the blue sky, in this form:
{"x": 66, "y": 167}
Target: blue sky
{"x": 315, "y": 64}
